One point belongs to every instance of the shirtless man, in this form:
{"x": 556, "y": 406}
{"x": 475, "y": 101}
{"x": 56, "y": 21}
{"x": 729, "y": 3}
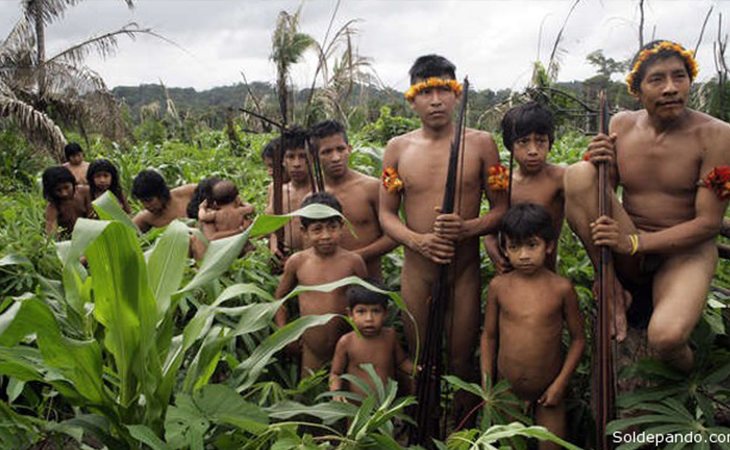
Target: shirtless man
{"x": 662, "y": 233}
{"x": 415, "y": 166}
{"x": 296, "y": 168}
{"x": 161, "y": 204}
{"x": 75, "y": 162}
{"x": 357, "y": 193}
{"x": 528, "y": 131}
{"x": 324, "y": 262}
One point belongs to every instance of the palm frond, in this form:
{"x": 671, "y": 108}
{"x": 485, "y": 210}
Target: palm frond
{"x": 35, "y": 125}
{"x": 104, "y": 45}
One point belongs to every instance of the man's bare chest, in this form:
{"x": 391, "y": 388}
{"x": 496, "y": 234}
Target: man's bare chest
{"x": 671, "y": 165}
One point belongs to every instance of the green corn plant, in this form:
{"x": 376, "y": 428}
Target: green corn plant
{"x": 370, "y": 425}
{"x": 496, "y": 436}
{"x": 109, "y": 346}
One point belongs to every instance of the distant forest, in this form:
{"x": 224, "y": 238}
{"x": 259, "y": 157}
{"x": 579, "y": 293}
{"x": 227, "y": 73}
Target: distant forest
{"x": 214, "y": 106}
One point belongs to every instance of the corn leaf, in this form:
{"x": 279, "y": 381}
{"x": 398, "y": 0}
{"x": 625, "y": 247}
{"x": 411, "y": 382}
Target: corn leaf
{"x": 124, "y": 305}
{"x": 166, "y": 264}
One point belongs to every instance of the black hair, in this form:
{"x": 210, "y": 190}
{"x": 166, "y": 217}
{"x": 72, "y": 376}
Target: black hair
{"x": 203, "y": 191}
{"x": 428, "y": 66}
{"x": 526, "y": 220}
{"x": 269, "y": 148}
{"x": 654, "y": 57}
{"x": 103, "y": 165}
{"x": 322, "y": 198}
{"x": 71, "y": 149}
{"x": 359, "y": 295}
{"x": 149, "y": 184}
{"x": 224, "y": 192}
{"x": 326, "y": 128}
{"x": 520, "y": 121}
{"x": 293, "y": 138}
{"x": 52, "y": 177}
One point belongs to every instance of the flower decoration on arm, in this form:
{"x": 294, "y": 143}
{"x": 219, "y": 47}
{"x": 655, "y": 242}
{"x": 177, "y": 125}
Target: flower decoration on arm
{"x": 498, "y": 179}
{"x": 391, "y": 180}
{"x": 432, "y": 82}
{"x": 686, "y": 55}
{"x": 718, "y": 180}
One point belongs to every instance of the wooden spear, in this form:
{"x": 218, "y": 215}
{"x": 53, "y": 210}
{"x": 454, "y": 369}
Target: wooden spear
{"x": 428, "y": 411}
{"x": 604, "y": 405}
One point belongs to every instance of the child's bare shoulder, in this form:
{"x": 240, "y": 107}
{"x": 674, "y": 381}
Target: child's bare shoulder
{"x": 296, "y": 260}
{"x": 559, "y": 283}
{"x": 499, "y": 281}
{"x": 346, "y": 339}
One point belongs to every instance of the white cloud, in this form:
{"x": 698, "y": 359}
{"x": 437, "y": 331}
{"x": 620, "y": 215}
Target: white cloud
{"x": 494, "y": 42}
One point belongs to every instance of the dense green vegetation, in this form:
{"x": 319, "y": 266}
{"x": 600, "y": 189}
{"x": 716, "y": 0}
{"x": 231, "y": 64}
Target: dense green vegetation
{"x": 79, "y": 370}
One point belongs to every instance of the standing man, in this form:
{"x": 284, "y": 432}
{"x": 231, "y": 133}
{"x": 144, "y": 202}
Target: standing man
{"x": 672, "y": 163}
{"x": 415, "y": 166}
{"x": 357, "y": 192}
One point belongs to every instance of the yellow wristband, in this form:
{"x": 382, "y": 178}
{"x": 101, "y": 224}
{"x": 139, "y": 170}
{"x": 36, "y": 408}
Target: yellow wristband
{"x": 634, "y": 238}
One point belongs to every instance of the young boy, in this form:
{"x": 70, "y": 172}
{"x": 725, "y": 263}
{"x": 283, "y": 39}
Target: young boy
{"x": 377, "y": 345}
{"x": 528, "y": 131}
{"x": 296, "y": 170}
{"x": 75, "y": 162}
{"x": 357, "y": 192}
{"x": 415, "y": 167}
{"x": 66, "y": 201}
{"x": 523, "y": 323}
{"x": 323, "y": 262}
{"x": 227, "y": 214}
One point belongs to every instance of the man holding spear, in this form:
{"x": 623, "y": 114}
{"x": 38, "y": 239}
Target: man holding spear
{"x": 673, "y": 165}
{"x": 414, "y": 172}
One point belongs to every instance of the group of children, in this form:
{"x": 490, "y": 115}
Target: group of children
{"x": 71, "y": 187}
{"x": 526, "y": 293}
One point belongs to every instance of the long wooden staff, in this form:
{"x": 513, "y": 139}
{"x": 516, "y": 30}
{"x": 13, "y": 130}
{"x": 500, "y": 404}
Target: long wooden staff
{"x": 605, "y": 380}
{"x": 315, "y": 168}
{"x": 428, "y": 412}
{"x": 278, "y": 188}
{"x": 278, "y": 174}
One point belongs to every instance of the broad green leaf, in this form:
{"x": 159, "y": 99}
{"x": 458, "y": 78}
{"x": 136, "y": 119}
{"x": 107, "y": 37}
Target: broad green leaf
{"x": 99, "y": 427}
{"x": 146, "y": 436}
{"x": 166, "y": 264}
{"x": 461, "y": 384}
{"x": 218, "y": 258}
{"x": 192, "y": 415}
{"x": 107, "y": 208}
{"x": 124, "y": 305}
{"x": 497, "y": 433}
{"x": 327, "y": 412}
{"x": 249, "y": 370}
{"x": 15, "y": 259}
{"x": 78, "y": 361}
{"x": 14, "y": 389}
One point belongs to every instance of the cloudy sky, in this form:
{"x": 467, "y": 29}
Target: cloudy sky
{"x": 494, "y": 42}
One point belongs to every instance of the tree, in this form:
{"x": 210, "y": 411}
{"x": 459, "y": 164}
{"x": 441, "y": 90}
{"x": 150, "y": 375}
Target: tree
{"x": 287, "y": 47}
{"x": 606, "y": 66}
{"x": 36, "y": 92}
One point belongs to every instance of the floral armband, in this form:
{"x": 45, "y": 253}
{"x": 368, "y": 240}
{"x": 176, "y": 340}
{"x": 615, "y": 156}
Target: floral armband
{"x": 391, "y": 181}
{"x": 718, "y": 181}
{"x": 498, "y": 179}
